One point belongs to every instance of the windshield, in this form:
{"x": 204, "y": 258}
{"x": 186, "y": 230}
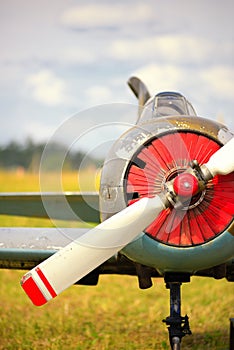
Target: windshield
{"x": 167, "y": 104}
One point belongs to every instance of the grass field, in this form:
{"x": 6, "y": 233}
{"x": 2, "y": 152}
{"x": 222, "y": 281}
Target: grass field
{"x": 111, "y": 316}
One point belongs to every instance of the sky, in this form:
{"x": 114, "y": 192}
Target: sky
{"x": 63, "y": 57}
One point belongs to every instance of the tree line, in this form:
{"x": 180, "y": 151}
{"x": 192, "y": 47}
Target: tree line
{"x": 28, "y": 156}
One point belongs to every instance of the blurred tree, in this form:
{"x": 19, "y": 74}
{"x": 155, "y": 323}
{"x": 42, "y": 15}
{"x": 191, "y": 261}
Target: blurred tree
{"x": 28, "y": 156}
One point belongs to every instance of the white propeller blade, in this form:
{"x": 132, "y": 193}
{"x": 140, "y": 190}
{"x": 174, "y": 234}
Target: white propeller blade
{"x": 77, "y": 259}
{"x": 222, "y": 161}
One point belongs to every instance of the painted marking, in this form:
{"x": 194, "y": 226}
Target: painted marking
{"x": 46, "y": 283}
{"x": 32, "y": 290}
{"x": 138, "y": 163}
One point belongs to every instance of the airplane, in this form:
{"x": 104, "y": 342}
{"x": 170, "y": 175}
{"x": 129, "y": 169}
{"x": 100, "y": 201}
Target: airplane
{"x": 165, "y": 209}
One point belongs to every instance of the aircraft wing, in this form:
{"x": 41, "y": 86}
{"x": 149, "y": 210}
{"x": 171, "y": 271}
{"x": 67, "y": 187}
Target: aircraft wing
{"x": 31, "y": 204}
{"x": 23, "y": 248}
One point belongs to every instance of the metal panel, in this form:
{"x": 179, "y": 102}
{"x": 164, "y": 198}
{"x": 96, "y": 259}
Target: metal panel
{"x": 23, "y": 248}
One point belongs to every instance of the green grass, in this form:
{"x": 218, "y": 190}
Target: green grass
{"x": 115, "y": 315}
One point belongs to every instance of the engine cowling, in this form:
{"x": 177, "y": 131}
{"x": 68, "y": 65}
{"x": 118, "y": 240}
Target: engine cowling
{"x": 190, "y": 238}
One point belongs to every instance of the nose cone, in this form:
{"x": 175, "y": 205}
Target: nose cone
{"x": 186, "y": 185}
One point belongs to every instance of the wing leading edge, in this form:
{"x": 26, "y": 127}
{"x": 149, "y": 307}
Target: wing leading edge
{"x": 23, "y": 248}
{"x": 62, "y": 206}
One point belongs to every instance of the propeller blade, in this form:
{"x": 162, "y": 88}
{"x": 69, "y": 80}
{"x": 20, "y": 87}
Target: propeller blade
{"x": 222, "y": 161}
{"x": 140, "y": 91}
{"x": 81, "y": 256}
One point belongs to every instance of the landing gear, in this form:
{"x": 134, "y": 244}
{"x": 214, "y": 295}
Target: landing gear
{"x": 178, "y": 326}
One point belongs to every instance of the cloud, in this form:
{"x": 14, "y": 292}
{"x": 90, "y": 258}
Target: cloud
{"x": 217, "y": 80}
{"x": 170, "y": 48}
{"x": 98, "y": 94}
{"x": 85, "y": 51}
{"x": 106, "y": 15}
{"x": 220, "y": 80}
{"x": 38, "y": 130}
{"x": 46, "y": 88}
{"x": 210, "y": 89}
{"x": 78, "y": 55}
{"x": 160, "y": 77}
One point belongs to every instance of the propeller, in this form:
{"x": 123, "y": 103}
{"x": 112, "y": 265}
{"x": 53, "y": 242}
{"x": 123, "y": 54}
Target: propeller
{"x": 81, "y": 256}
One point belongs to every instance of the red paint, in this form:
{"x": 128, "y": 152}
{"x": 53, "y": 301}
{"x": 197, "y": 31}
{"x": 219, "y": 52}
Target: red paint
{"x": 32, "y": 290}
{"x": 167, "y": 157}
{"x": 185, "y": 185}
{"x": 46, "y": 283}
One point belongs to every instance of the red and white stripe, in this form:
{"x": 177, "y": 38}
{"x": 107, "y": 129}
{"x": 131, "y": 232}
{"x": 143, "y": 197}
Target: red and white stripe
{"x": 37, "y": 287}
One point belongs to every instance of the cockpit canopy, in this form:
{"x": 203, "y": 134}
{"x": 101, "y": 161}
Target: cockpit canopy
{"x": 166, "y": 104}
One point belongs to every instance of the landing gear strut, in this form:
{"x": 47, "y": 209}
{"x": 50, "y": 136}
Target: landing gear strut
{"x": 178, "y": 326}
